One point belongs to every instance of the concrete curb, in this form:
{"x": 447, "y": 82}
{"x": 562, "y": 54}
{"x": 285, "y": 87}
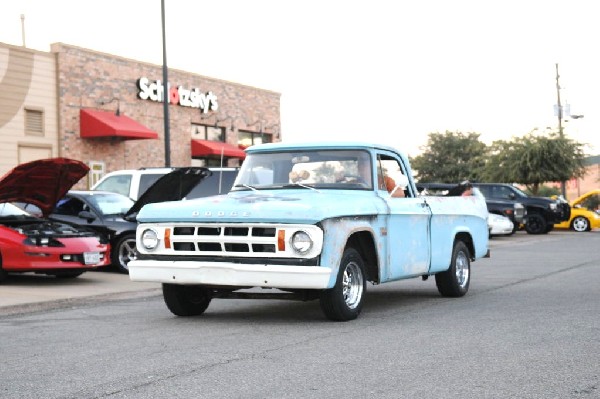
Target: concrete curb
{"x": 44, "y": 306}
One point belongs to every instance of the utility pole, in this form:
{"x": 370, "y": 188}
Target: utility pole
{"x": 563, "y": 186}
{"x": 23, "y": 28}
{"x": 166, "y": 90}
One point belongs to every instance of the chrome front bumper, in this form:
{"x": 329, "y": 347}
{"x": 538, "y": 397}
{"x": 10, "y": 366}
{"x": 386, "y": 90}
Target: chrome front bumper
{"x": 230, "y": 274}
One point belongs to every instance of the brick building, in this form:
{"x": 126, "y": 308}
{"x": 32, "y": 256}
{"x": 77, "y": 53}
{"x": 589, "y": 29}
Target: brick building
{"x": 107, "y": 111}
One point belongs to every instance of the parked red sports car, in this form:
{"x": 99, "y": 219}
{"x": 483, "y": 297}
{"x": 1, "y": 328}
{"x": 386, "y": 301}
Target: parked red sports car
{"x": 34, "y": 244}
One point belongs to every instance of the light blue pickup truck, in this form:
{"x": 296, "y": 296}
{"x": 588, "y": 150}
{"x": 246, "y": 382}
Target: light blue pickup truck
{"x": 310, "y": 221}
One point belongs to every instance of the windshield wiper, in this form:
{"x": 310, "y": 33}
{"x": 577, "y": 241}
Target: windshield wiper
{"x": 300, "y": 185}
{"x": 247, "y": 186}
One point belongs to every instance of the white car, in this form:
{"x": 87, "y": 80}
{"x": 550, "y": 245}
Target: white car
{"x": 500, "y": 225}
{"x": 134, "y": 182}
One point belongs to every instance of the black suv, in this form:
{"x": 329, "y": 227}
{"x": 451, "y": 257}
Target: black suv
{"x": 540, "y": 213}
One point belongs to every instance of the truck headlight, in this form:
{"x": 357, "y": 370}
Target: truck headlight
{"x": 149, "y": 239}
{"x": 301, "y": 242}
{"x": 553, "y": 206}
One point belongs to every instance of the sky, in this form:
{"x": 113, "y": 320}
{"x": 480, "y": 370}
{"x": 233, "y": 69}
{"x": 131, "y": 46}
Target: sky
{"x": 388, "y": 72}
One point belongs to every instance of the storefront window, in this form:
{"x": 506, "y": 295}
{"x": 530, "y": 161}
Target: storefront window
{"x": 246, "y": 139}
{"x": 203, "y": 132}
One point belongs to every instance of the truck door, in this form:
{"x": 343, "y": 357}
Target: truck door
{"x": 408, "y": 236}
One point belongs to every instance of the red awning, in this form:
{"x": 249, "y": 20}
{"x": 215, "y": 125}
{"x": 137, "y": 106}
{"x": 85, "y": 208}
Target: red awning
{"x": 106, "y": 124}
{"x": 203, "y": 148}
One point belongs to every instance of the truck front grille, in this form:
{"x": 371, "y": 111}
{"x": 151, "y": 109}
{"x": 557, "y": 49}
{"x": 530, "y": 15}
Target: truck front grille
{"x": 224, "y": 239}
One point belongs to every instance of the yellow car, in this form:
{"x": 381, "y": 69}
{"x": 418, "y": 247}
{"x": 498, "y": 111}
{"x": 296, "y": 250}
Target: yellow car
{"x": 585, "y": 213}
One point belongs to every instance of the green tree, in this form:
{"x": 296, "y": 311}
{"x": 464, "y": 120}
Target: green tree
{"x": 450, "y": 157}
{"x": 532, "y": 160}
{"x": 544, "y": 191}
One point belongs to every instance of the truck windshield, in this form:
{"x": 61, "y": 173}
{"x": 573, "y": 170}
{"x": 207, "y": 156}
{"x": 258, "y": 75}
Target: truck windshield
{"x": 322, "y": 169}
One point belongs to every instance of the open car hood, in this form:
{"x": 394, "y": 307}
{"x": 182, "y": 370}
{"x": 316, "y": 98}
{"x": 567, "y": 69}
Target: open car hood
{"x": 585, "y": 196}
{"x": 42, "y": 182}
{"x": 173, "y": 186}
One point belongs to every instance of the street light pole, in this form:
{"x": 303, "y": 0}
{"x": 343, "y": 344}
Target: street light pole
{"x": 166, "y": 96}
{"x": 563, "y": 186}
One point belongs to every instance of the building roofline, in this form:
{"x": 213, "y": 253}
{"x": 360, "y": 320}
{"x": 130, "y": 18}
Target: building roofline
{"x": 55, "y": 48}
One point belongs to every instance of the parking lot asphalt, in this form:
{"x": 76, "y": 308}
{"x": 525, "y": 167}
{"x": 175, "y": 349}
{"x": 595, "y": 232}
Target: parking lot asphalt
{"x": 30, "y": 292}
{"x": 26, "y": 293}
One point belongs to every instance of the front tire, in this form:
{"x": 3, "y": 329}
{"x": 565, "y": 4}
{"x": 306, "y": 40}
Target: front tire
{"x": 186, "y": 300}
{"x": 123, "y": 252}
{"x": 536, "y": 224}
{"x": 344, "y": 301}
{"x": 455, "y": 281}
{"x": 580, "y": 224}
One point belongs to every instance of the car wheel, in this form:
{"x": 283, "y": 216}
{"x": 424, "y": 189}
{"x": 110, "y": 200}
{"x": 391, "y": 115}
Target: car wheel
{"x": 536, "y": 224}
{"x": 344, "y": 301}
{"x": 123, "y": 252}
{"x": 580, "y": 224}
{"x": 455, "y": 281}
{"x": 186, "y": 300}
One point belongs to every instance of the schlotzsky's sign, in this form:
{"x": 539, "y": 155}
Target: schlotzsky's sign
{"x": 193, "y": 98}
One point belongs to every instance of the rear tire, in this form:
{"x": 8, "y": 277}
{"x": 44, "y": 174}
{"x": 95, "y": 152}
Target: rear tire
{"x": 455, "y": 281}
{"x": 186, "y": 300}
{"x": 344, "y": 301}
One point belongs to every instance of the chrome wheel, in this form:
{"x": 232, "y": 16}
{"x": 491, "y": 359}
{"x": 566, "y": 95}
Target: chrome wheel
{"x": 462, "y": 269}
{"x": 127, "y": 253}
{"x": 580, "y": 224}
{"x": 352, "y": 285}
{"x": 344, "y": 300}
{"x": 123, "y": 252}
{"x": 455, "y": 281}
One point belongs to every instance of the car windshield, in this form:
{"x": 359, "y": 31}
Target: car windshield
{"x": 116, "y": 184}
{"x": 111, "y": 204}
{"x": 520, "y": 193}
{"x": 320, "y": 169}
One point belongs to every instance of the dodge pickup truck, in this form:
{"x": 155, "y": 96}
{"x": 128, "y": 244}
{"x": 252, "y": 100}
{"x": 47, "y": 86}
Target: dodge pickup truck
{"x": 307, "y": 221}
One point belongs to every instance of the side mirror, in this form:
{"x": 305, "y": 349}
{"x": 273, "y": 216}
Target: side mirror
{"x": 87, "y": 215}
{"x": 512, "y": 196}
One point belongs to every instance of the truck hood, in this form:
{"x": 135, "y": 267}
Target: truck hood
{"x": 265, "y": 207}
